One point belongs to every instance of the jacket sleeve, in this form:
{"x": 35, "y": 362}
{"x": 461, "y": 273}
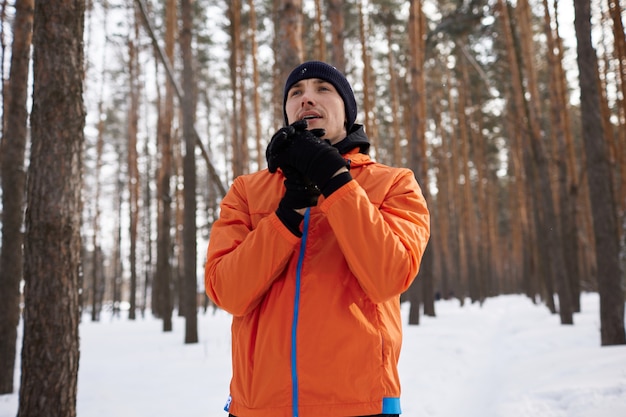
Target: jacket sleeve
{"x": 242, "y": 260}
{"x": 383, "y": 245}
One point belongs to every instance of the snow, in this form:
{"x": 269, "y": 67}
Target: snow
{"x": 507, "y": 358}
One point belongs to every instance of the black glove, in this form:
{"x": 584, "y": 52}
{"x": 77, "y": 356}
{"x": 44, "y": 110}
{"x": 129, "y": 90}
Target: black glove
{"x": 282, "y": 139}
{"x": 294, "y": 146}
{"x": 299, "y": 193}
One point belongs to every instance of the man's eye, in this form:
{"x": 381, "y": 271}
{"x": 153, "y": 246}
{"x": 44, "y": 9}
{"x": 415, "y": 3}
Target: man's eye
{"x": 295, "y": 93}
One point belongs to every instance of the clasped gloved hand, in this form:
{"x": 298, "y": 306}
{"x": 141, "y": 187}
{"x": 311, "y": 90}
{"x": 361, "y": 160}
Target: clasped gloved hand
{"x": 300, "y": 192}
{"x": 282, "y": 139}
{"x": 295, "y": 151}
{"x": 303, "y": 150}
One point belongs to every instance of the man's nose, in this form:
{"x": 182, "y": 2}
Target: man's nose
{"x": 307, "y": 98}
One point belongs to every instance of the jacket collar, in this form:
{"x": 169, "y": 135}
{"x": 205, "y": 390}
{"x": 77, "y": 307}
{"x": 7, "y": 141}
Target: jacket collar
{"x": 355, "y": 139}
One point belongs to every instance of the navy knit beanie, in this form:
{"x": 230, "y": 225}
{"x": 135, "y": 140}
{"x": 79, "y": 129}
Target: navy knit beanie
{"x": 323, "y": 71}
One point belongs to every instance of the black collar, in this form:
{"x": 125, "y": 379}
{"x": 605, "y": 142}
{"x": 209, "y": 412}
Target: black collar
{"x": 356, "y": 139}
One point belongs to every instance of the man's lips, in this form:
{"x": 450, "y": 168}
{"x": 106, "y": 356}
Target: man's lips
{"x": 310, "y": 116}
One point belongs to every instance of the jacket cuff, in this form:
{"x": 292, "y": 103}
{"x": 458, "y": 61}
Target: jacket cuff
{"x": 336, "y": 183}
{"x": 290, "y": 218}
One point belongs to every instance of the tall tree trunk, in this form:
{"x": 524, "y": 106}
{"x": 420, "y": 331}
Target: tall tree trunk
{"x": 289, "y": 50}
{"x": 483, "y": 216}
{"x": 472, "y": 194}
{"x": 496, "y": 248}
{"x": 3, "y": 19}
{"x": 118, "y": 264}
{"x": 179, "y": 224}
{"x": 616, "y": 11}
{"x": 444, "y": 213}
{"x": 189, "y": 175}
{"x": 236, "y": 79}
{"x": 98, "y": 275}
{"x": 147, "y": 227}
{"x": 599, "y": 177}
{"x": 133, "y": 169}
{"x": 256, "y": 101}
{"x": 468, "y": 219}
{"x": 394, "y": 101}
{"x": 334, "y": 15}
{"x": 97, "y": 286}
{"x": 13, "y": 180}
{"x": 521, "y": 206}
{"x": 50, "y": 351}
{"x": 368, "y": 79}
{"x": 289, "y": 36}
{"x": 320, "y": 35}
{"x": 178, "y": 261}
{"x": 415, "y": 131}
{"x": 163, "y": 278}
{"x": 548, "y": 225}
{"x": 417, "y": 154}
{"x": 566, "y": 199}
{"x": 244, "y": 154}
{"x": 459, "y": 286}
{"x": 577, "y": 221}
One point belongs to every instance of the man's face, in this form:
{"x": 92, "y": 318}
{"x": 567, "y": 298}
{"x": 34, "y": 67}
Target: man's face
{"x": 318, "y": 102}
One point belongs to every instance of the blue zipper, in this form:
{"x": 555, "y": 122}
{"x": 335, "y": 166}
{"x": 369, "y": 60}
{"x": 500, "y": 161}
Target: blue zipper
{"x": 296, "y": 308}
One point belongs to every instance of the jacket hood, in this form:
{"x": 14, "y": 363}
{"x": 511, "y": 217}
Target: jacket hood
{"x": 356, "y": 139}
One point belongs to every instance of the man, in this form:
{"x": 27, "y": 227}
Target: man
{"x": 310, "y": 257}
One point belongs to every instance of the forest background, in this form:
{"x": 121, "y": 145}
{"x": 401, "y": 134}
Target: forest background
{"x": 510, "y": 113}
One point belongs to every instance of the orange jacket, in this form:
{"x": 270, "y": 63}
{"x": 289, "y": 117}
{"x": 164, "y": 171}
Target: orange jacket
{"x": 316, "y": 325}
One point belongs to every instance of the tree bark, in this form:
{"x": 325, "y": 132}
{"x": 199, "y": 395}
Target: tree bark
{"x": 320, "y": 34}
{"x": 619, "y": 35}
{"x": 468, "y": 208}
{"x": 163, "y": 278}
{"x": 13, "y": 180}
{"x": 118, "y": 264}
{"x": 444, "y": 213}
{"x": 548, "y": 229}
{"x": 599, "y": 178}
{"x": 394, "y": 101}
{"x": 189, "y": 175}
{"x": 289, "y": 50}
{"x": 334, "y": 14}
{"x": 256, "y": 101}
{"x": 521, "y": 208}
{"x": 565, "y": 190}
{"x": 147, "y": 226}
{"x": 459, "y": 285}
{"x": 133, "y": 168}
{"x": 50, "y": 352}
{"x": 236, "y": 80}
{"x": 368, "y": 80}
{"x": 417, "y": 154}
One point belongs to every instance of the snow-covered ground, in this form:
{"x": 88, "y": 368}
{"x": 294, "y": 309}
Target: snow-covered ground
{"x": 508, "y": 358}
